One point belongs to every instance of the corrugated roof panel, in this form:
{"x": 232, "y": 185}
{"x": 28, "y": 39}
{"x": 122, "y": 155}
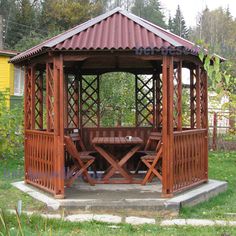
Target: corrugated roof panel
{"x": 116, "y": 32}
{"x": 116, "y": 29}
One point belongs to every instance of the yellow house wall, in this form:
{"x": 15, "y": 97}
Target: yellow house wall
{"x": 6, "y": 76}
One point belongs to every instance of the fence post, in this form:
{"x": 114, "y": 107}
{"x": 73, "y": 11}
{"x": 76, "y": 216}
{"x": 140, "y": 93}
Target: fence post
{"x": 214, "y": 137}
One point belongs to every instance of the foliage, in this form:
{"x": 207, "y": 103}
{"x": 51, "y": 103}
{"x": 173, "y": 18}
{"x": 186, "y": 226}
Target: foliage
{"x": 177, "y": 25}
{"x": 11, "y": 122}
{"x": 150, "y": 10}
{"x": 39, "y": 19}
{"x": 61, "y": 14}
{"x": 221, "y": 82}
{"x": 29, "y": 41}
{"x": 117, "y": 92}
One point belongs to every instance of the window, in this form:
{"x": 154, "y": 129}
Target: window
{"x": 19, "y": 81}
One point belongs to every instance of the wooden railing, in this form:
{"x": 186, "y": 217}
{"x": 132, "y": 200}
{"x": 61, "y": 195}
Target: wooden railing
{"x": 39, "y": 159}
{"x": 190, "y": 158}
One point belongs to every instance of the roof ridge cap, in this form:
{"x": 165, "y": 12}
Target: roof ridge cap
{"x": 149, "y": 27}
{"x": 160, "y": 28}
{"x": 84, "y": 26}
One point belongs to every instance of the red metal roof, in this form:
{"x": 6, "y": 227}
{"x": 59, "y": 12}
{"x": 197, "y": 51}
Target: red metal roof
{"x": 114, "y": 30}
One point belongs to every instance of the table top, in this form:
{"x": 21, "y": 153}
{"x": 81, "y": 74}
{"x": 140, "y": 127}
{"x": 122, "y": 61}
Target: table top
{"x": 117, "y": 140}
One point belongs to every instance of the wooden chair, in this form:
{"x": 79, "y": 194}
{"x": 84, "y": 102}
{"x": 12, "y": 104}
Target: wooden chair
{"x": 83, "y": 151}
{"x": 81, "y": 162}
{"x": 152, "y": 162}
{"x": 154, "y": 140}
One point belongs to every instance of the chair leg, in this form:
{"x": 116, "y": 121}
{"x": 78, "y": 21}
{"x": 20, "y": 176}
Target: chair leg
{"x": 151, "y": 172}
{"x": 147, "y": 176}
{"x": 82, "y": 170}
{"x": 137, "y": 168}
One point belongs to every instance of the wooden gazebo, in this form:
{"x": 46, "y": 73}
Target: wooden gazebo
{"x": 56, "y": 81}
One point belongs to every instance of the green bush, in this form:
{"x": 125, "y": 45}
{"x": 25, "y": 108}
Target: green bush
{"x": 11, "y": 129}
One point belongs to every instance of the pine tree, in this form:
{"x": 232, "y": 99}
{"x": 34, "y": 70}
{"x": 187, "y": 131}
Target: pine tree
{"x": 179, "y": 25}
{"x": 150, "y": 10}
{"x": 170, "y": 24}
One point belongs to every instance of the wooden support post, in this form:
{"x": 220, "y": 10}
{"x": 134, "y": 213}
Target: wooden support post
{"x": 98, "y": 101}
{"x": 198, "y": 98}
{"x": 32, "y": 77}
{"x": 49, "y": 97}
{"x": 179, "y": 102}
{"x": 204, "y": 78}
{"x": 167, "y": 129}
{"x": 66, "y": 101}
{"x": 214, "y": 136}
{"x": 136, "y": 101}
{"x": 26, "y": 121}
{"x": 58, "y": 78}
{"x": 192, "y": 100}
{"x": 158, "y": 101}
{"x": 76, "y": 101}
{"x": 40, "y": 97}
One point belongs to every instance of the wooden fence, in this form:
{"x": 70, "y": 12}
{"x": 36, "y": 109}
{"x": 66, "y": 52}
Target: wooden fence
{"x": 190, "y": 158}
{"x": 40, "y": 166}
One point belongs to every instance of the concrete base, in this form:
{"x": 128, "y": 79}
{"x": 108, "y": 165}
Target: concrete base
{"x": 107, "y": 197}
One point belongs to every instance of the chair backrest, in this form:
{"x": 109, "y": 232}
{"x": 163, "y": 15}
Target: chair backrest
{"x": 72, "y": 150}
{"x": 154, "y": 137}
{"x": 76, "y": 138}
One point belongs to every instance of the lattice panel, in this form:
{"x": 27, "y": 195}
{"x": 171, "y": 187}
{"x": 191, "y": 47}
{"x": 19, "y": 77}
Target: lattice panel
{"x": 39, "y": 99}
{"x": 158, "y": 92}
{"x": 144, "y": 101}
{"x": 193, "y": 98}
{"x": 73, "y": 101}
{"x": 28, "y": 98}
{"x": 177, "y": 111}
{"x": 50, "y": 97}
{"x": 89, "y": 101}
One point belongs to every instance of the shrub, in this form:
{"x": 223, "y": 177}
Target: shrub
{"x": 11, "y": 128}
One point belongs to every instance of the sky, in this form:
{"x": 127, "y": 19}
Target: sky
{"x": 191, "y": 8}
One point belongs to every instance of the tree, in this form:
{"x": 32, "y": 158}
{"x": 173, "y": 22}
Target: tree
{"x": 150, "y": 10}
{"x": 177, "y": 25}
{"x": 117, "y": 95}
{"x": 217, "y": 32}
{"x": 170, "y": 24}
{"x": 64, "y": 14}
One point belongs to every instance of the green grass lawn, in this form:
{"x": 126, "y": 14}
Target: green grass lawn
{"x": 222, "y": 166}
{"x": 38, "y": 226}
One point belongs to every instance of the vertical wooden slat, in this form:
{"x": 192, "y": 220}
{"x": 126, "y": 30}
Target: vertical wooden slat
{"x": 32, "y": 78}
{"x": 167, "y": 131}
{"x": 193, "y": 159}
{"x": 98, "y": 101}
{"x": 136, "y": 101}
{"x": 192, "y": 108}
{"x": 179, "y": 102}
{"x": 198, "y": 98}
{"x": 66, "y": 125}
{"x": 41, "y": 100}
{"x": 58, "y": 78}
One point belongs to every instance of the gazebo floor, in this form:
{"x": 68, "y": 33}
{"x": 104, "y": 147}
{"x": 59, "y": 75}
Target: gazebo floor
{"x": 114, "y": 192}
{"x": 123, "y": 197}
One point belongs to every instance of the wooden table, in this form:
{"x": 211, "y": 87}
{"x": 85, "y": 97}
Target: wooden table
{"x": 100, "y": 143}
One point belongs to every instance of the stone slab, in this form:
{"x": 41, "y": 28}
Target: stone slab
{"x": 121, "y": 197}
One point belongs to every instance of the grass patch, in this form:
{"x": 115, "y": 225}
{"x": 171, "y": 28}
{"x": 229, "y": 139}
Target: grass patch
{"x": 11, "y": 171}
{"x": 222, "y": 166}
{"x": 39, "y": 226}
